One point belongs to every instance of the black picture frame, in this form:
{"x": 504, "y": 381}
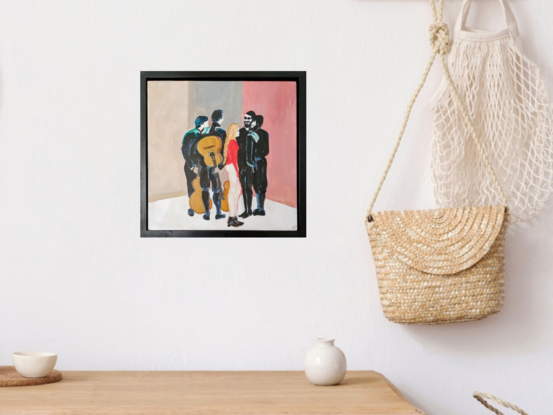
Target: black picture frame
{"x": 298, "y": 77}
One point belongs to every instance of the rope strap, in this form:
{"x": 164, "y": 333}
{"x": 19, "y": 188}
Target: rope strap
{"x": 481, "y": 397}
{"x": 441, "y": 45}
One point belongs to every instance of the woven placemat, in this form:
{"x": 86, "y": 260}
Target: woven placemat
{"x": 10, "y": 377}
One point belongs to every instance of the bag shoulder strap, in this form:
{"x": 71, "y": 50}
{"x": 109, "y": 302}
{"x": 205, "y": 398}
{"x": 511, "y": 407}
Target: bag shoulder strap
{"x": 441, "y": 45}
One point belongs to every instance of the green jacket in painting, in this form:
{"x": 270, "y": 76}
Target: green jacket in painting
{"x": 188, "y": 148}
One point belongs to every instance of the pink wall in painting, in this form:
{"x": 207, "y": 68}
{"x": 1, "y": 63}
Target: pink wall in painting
{"x": 276, "y": 101}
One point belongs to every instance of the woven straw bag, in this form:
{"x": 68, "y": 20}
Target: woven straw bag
{"x": 482, "y": 397}
{"x": 443, "y": 265}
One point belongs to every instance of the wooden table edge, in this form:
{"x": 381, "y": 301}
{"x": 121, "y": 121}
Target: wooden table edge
{"x": 67, "y": 376}
{"x": 398, "y": 393}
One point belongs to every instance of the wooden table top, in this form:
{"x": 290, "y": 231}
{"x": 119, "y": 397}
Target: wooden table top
{"x": 213, "y": 393}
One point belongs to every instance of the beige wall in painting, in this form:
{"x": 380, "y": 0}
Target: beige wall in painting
{"x": 167, "y": 124}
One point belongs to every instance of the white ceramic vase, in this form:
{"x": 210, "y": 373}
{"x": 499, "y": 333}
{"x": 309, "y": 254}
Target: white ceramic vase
{"x": 325, "y": 364}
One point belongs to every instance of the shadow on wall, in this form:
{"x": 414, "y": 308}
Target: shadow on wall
{"x": 528, "y": 283}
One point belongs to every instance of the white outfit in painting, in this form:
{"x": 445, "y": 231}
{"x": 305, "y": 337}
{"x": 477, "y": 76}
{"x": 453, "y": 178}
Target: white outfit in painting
{"x": 235, "y": 190}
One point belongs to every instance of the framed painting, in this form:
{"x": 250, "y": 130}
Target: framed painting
{"x": 223, "y": 154}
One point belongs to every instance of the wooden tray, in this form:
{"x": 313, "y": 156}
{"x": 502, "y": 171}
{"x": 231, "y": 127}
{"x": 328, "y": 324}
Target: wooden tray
{"x": 10, "y": 377}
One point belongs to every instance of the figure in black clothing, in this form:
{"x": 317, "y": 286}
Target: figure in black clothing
{"x": 215, "y": 129}
{"x": 245, "y": 161}
{"x": 209, "y": 176}
{"x": 261, "y": 150}
{"x": 188, "y": 150}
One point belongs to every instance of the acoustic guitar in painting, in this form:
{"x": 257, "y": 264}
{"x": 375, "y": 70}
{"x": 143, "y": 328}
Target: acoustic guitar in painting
{"x": 195, "y": 201}
{"x": 210, "y": 148}
{"x": 224, "y": 201}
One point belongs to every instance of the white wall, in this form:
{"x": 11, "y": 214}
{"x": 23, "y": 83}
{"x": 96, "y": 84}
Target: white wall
{"x": 77, "y": 279}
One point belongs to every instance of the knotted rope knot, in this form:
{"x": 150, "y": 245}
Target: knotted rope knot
{"x": 439, "y": 38}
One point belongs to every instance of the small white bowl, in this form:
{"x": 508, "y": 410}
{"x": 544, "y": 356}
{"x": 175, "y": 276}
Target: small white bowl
{"x": 34, "y": 364}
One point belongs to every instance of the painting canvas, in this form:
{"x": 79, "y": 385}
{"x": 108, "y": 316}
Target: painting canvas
{"x": 223, "y": 154}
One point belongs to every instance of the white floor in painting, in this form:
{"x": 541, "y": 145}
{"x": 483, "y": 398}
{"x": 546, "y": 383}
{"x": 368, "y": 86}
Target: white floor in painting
{"x": 171, "y": 214}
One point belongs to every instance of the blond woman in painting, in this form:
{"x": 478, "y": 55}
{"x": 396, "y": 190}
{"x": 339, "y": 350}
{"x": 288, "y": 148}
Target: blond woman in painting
{"x": 231, "y": 166}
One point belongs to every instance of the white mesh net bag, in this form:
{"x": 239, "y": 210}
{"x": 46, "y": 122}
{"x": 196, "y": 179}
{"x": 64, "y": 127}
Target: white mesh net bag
{"x": 508, "y": 103}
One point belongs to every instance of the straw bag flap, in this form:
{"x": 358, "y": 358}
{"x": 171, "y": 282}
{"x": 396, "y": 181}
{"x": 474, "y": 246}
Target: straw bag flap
{"x": 439, "y": 241}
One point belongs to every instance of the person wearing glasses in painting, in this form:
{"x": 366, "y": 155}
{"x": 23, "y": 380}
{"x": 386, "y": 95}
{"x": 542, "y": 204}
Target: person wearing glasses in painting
{"x": 246, "y": 145}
